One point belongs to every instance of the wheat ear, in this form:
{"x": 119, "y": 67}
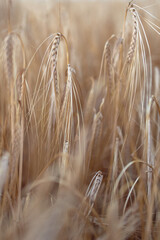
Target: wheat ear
{"x": 4, "y": 160}
{"x": 54, "y": 56}
{"x": 132, "y": 47}
{"x": 107, "y": 52}
{"x": 92, "y": 191}
{"x": 8, "y": 43}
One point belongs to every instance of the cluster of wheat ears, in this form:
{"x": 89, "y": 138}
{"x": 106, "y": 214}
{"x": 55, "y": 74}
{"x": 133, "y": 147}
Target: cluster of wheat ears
{"x": 80, "y": 163}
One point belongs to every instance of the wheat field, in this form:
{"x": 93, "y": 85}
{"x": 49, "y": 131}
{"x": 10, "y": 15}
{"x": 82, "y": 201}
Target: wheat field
{"x": 79, "y": 120}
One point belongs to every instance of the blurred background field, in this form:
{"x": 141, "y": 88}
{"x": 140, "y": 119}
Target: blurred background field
{"x": 79, "y": 120}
